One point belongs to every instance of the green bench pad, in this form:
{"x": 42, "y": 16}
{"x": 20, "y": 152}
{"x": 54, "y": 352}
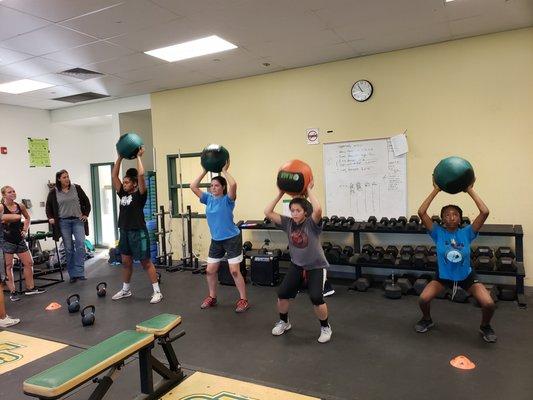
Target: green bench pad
{"x": 159, "y": 325}
{"x": 76, "y": 370}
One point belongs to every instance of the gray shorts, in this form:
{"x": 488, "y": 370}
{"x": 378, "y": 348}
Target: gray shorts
{"x": 15, "y": 248}
{"x": 231, "y": 248}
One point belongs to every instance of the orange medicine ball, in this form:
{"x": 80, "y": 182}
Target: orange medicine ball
{"x": 294, "y": 176}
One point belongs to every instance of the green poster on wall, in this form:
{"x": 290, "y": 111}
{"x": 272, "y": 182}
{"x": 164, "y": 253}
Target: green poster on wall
{"x": 39, "y": 152}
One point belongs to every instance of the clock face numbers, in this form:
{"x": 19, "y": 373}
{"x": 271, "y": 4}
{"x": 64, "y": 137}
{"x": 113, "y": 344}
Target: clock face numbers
{"x": 362, "y": 90}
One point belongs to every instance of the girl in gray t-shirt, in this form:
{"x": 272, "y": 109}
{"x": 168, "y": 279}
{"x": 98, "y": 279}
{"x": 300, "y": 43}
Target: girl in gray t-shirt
{"x": 308, "y": 261}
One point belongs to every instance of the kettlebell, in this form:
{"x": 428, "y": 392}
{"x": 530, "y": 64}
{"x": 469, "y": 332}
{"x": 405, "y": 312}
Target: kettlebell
{"x": 73, "y": 303}
{"x": 101, "y": 289}
{"x": 87, "y": 315}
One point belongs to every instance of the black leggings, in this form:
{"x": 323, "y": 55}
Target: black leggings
{"x": 294, "y": 280}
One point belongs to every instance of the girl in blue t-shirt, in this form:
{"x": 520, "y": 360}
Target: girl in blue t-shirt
{"x": 226, "y": 239}
{"x": 453, "y": 260}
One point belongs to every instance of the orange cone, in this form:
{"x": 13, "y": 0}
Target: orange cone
{"x": 53, "y": 306}
{"x": 462, "y": 362}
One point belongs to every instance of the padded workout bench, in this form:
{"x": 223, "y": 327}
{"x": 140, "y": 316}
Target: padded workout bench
{"x": 110, "y": 355}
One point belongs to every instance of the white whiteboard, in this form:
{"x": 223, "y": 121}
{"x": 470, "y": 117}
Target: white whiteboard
{"x": 364, "y": 178}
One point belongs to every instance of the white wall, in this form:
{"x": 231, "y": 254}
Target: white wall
{"x": 72, "y": 148}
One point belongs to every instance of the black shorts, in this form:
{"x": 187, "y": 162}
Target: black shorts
{"x": 135, "y": 243}
{"x": 15, "y": 248}
{"x": 465, "y": 283}
{"x": 294, "y": 280}
{"x": 231, "y": 248}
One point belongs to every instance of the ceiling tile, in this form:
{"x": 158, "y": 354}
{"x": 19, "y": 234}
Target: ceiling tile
{"x": 10, "y": 56}
{"x": 46, "y": 40}
{"x": 33, "y": 67}
{"x": 59, "y": 10}
{"x": 16, "y": 23}
{"x": 92, "y": 52}
{"x": 130, "y": 16}
{"x": 125, "y": 63}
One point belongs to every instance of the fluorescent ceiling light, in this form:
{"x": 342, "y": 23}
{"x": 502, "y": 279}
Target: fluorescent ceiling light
{"x": 194, "y": 48}
{"x": 22, "y": 86}
{"x": 448, "y": 1}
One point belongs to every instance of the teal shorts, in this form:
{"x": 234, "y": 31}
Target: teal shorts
{"x": 135, "y": 243}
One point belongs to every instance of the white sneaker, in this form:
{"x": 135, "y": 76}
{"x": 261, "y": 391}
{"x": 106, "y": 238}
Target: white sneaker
{"x": 325, "y": 334}
{"x": 156, "y": 297}
{"x": 8, "y": 321}
{"x": 281, "y": 327}
{"x": 121, "y": 294}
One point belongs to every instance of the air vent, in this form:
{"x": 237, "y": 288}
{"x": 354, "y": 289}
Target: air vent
{"x": 77, "y": 98}
{"x": 80, "y": 73}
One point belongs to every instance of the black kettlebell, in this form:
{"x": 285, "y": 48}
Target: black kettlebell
{"x": 87, "y": 316}
{"x": 101, "y": 289}
{"x": 73, "y": 303}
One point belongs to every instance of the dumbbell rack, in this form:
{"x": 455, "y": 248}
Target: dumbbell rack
{"x": 498, "y": 230}
{"x": 40, "y": 273}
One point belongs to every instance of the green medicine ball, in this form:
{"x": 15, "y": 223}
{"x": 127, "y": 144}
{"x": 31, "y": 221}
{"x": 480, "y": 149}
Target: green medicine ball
{"x": 453, "y": 174}
{"x": 214, "y": 157}
{"x": 128, "y": 145}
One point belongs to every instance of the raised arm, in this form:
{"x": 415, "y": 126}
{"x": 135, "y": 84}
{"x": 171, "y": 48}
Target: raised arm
{"x": 423, "y": 210}
{"x": 269, "y": 210}
{"x": 9, "y": 217}
{"x": 195, "y": 185}
{"x": 317, "y": 209}
{"x": 232, "y": 185}
{"x": 140, "y": 172}
{"x": 483, "y": 209}
{"x": 117, "y": 184}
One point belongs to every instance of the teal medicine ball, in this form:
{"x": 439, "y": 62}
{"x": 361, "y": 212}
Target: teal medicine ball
{"x": 128, "y": 145}
{"x": 214, "y": 157}
{"x": 453, "y": 174}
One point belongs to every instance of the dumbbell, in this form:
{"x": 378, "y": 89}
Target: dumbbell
{"x": 324, "y": 221}
{"x": 506, "y": 293}
{"x": 333, "y": 255}
{"x": 350, "y": 222}
{"x": 389, "y": 257}
{"x": 483, "y": 259}
{"x": 394, "y": 225}
{"x": 421, "y": 283}
{"x": 420, "y": 257}
{"x": 347, "y": 253}
{"x": 383, "y": 224}
{"x": 436, "y": 219}
{"x": 326, "y": 246}
{"x": 247, "y": 246}
{"x": 405, "y": 284}
{"x": 362, "y": 284}
{"x": 366, "y": 252}
{"x": 406, "y": 254}
{"x": 377, "y": 255}
{"x": 392, "y": 290}
{"x": 371, "y": 222}
{"x": 431, "y": 263}
{"x": 493, "y": 291}
{"x": 401, "y": 222}
{"x": 332, "y": 221}
{"x": 505, "y": 259}
{"x": 339, "y": 223}
{"x": 461, "y": 295}
{"x": 465, "y": 221}
{"x": 414, "y": 223}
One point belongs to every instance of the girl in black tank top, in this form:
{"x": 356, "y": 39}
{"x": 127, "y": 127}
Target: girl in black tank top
{"x": 15, "y": 232}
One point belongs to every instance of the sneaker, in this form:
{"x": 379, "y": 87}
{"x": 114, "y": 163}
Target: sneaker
{"x": 281, "y": 327}
{"x": 488, "y": 334}
{"x": 209, "y": 302}
{"x": 325, "y": 334}
{"x": 35, "y": 290}
{"x": 8, "y": 321}
{"x": 242, "y": 306}
{"x": 13, "y": 296}
{"x": 423, "y": 325}
{"x": 73, "y": 280}
{"x": 328, "y": 289}
{"x": 121, "y": 294}
{"x": 156, "y": 297}
{"x": 81, "y": 278}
